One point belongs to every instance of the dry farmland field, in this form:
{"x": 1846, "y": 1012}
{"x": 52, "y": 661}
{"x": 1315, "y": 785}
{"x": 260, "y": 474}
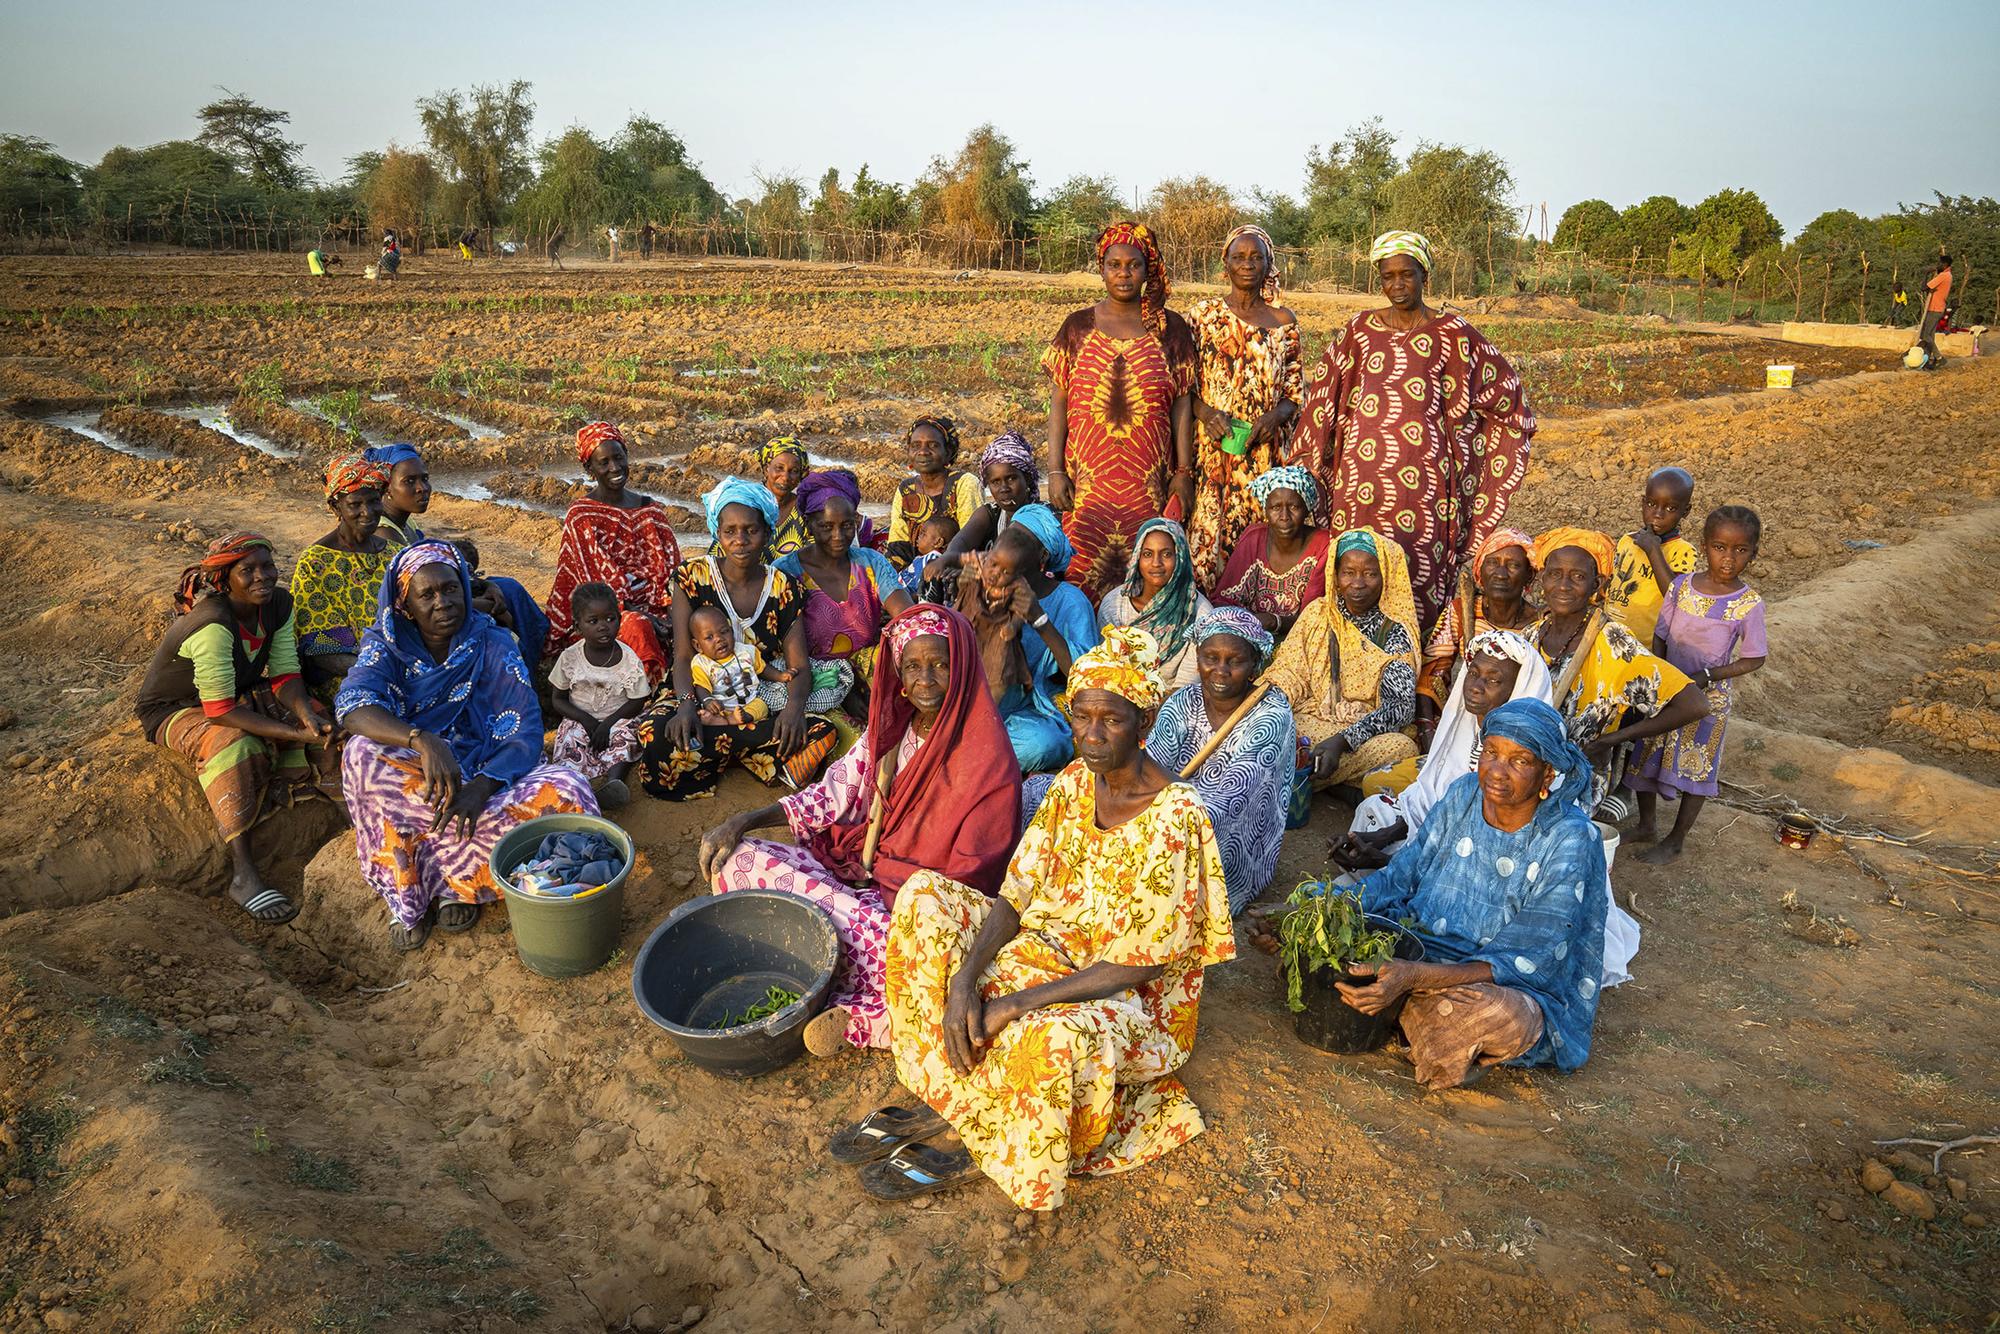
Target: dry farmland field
{"x": 209, "y": 1125}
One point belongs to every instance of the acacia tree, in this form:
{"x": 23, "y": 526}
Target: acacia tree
{"x": 651, "y": 175}
{"x": 401, "y": 191}
{"x": 479, "y": 140}
{"x": 1460, "y": 198}
{"x": 983, "y": 191}
{"x": 1652, "y": 224}
{"x": 1193, "y": 214}
{"x": 1347, "y": 183}
{"x": 1590, "y": 225}
{"x": 250, "y": 136}
{"x": 36, "y": 181}
{"x": 570, "y": 190}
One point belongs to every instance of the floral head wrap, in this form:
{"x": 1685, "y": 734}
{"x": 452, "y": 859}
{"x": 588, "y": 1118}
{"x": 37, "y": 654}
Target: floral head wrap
{"x": 1586, "y": 539}
{"x": 1127, "y": 664}
{"x": 413, "y": 558}
{"x": 784, "y": 444}
{"x": 1042, "y": 524}
{"x": 1270, "y": 289}
{"x": 1153, "y": 298}
{"x": 945, "y": 427}
{"x": 738, "y": 491}
{"x": 1291, "y": 477}
{"x": 205, "y": 576}
{"x": 1412, "y": 244}
{"x": 354, "y": 472}
{"x": 1499, "y": 540}
{"x": 593, "y": 435}
{"x": 1170, "y": 615}
{"x": 820, "y": 487}
{"x": 923, "y": 619}
{"x": 1012, "y": 448}
{"x": 1238, "y": 622}
{"x": 1531, "y": 723}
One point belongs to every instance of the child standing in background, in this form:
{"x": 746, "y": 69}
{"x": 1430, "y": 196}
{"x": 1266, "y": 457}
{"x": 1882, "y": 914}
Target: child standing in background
{"x": 597, "y": 687}
{"x": 1712, "y": 628}
{"x": 1651, "y": 557}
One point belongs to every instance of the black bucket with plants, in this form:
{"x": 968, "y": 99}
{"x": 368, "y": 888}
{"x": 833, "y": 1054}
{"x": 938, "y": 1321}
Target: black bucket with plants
{"x": 1321, "y": 939}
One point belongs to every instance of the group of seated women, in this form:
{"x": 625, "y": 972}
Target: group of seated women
{"x": 1031, "y": 819}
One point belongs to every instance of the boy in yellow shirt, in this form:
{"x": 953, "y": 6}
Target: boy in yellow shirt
{"x": 1649, "y": 558}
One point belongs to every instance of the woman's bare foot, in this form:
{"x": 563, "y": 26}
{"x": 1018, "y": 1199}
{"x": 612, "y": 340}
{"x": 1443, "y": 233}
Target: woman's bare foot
{"x": 1641, "y": 833}
{"x": 826, "y": 1032}
{"x": 1661, "y": 853}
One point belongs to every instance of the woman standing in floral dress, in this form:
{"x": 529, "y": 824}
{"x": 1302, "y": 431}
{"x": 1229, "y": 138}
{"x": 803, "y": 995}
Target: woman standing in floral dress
{"x": 1250, "y": 373}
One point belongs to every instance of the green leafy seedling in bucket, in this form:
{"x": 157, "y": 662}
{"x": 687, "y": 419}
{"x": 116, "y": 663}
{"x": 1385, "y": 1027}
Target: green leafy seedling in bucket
{"x": 1326, "y": 928}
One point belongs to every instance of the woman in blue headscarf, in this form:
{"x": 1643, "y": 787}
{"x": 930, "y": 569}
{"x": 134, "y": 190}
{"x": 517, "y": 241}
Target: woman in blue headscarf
{"x": 445, "y": 746}
{"x": 1505, "y": 881}
{"x": 407, "y": 493}
{"x": 1160, "y": 597}
{"x": 1031, "y": 627}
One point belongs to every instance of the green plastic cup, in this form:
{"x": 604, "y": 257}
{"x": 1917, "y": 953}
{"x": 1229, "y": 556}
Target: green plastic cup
{"x": 1237, "y": 439}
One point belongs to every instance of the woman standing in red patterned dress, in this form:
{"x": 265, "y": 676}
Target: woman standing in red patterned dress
{"x": 1121, "y": 409}
{"x": 1416, "y": 426}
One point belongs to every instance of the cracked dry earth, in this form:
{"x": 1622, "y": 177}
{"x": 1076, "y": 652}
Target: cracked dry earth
{"x": 211, "y": 1125}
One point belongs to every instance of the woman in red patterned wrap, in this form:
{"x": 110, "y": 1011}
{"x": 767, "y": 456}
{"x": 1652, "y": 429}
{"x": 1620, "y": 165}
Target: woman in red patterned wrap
{"x": 622, "y": 538}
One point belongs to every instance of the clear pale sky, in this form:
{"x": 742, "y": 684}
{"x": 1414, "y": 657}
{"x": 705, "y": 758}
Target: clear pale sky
{"x": 1813, "y": 105}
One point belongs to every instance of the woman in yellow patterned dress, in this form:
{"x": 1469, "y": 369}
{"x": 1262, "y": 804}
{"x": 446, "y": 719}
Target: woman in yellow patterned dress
{"x": 1349, "y": 665}
{"x": 1251, "y": 374}
{"x": 336, "y": 579}
{"x": 1045, "y": 1025}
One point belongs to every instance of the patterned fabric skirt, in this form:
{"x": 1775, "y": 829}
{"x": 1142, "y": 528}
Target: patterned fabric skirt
{"x": 858, "y": 914}
{"x": 1377, "y": 752}
{"x": 1456, "y": 1033}
{"x": 413, "y": 868}
{"x": 1686, "y": 761}
{"x": 680, "y": 775}
{"x": 1069, "y": 1090}
{"x": 235, "y": 768}
{"x": 572, "y": 748}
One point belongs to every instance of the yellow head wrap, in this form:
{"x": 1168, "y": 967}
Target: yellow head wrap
{"x": 1587, "y": 539}
{"x": 1127, "y": 664}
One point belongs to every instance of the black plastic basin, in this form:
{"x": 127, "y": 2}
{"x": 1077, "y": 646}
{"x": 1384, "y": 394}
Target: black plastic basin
{"x": 719, "y": 955}
{"x": 1329, "y": 1023}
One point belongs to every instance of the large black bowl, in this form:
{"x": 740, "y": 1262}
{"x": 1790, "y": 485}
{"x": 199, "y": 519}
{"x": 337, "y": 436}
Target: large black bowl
{"x": 719, "y": 955}
{"x": 1329, "y": 1023}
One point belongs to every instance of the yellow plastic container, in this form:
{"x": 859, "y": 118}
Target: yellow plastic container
{"x": 1778, "y": 377}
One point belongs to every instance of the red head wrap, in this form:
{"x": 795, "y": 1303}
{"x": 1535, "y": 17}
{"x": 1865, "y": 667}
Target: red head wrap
{"x": 1153, "y": 299}
{"x": 205, "y": 575}
{"x": 593, "y": 435}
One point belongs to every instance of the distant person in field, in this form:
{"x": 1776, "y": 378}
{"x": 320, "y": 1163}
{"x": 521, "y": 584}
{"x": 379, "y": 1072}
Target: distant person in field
{"x": 1713, "y": 629}
{"x": 1899, "y": 304}
{"x": 444, "y": 755}
{"x": 224, "y": 690}
{"x": 1251, "y": 382}
{"x": 646, "y": 234}
{"x": 392, "y": 256}
{"x": 318, "y": 262}
{"x": 611, "y": 235}
{"x": 468, "y": 243}
{"x": 617, "y": 536}
{"x": 1416, "y": 426}
{"x": 1939, "y": 288}
{"x": 555, "y": 248}
{"x": 1122, "y": 375}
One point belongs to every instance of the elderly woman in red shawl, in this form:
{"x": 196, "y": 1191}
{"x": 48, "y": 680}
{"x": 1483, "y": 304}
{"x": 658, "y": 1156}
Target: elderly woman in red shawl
{"x": 618, "y": 537}
{"x": 1121, "y": 410}
{"x": 1416, "y": 425}
{"x": 937, "y": 773}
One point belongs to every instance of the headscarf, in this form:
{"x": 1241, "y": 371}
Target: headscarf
{"x": 1500, "y": 539}
{"x": 353, "y": 472}
{"x": 955, "y": 806}
{"x": 945, "y": 427}
{"x": 388, "y": 456}
{"x": 1170, "y": 615}
{"x": 1127, "y": 664}
{"x": 1536, "y": 725}
{"x": 1362, "y": 660}
{"x": 738, "y": 491}
{"x": 1043, "y": 525}
{"x": 1270, "y": 289}
{"x": 784, "y": 444}
{"x": 206, "y": 575}
{"x": 1291, "y": 477}
{"x": 1587, "y": 539}
{"x": 1457, "y": 739}
{"x": 1153, "y": 296}
{"x": 593, "y": 435}
{"x": 820, "y": 487}
{"x": 420, "y": 555}
{"x": 1012, "y": 449}
{"x": 1238, "y": 622}
{"x": 482, "y": 675}
{"x": 1412, "y": 244}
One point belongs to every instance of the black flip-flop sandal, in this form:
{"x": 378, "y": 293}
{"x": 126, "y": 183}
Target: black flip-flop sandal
{"x": 917, "y": 1169}
{"x": 882, "y": 1132}
{"x": 454, "y": 924}
{"x": 267, "y": 900}
{"x": 409, "y": 938}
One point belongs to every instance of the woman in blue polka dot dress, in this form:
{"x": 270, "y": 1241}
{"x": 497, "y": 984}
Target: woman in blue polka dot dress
{"x": 1505, "y": 883}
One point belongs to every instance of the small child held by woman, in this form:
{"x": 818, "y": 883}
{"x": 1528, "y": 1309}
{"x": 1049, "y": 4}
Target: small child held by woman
{"x": 1712, "y": 628}
{"x": 932, "y": 536}
{"x": 726, "y": 673}
{"x": 598, "y": 687}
